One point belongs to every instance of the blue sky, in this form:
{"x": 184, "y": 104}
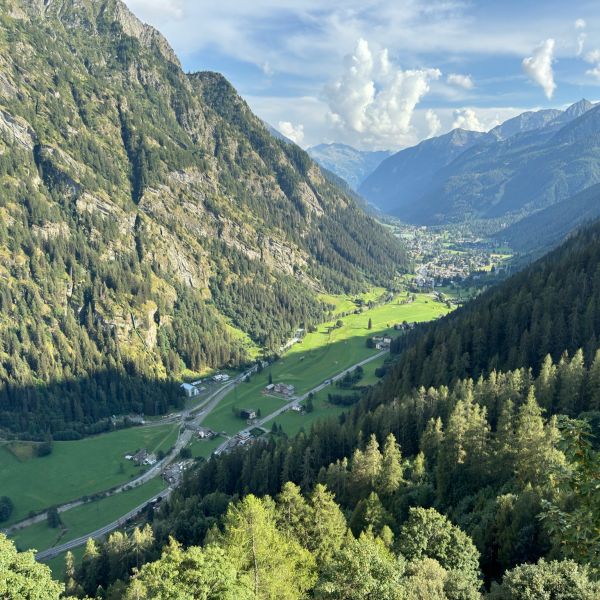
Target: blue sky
{"x": 388, "y": 73}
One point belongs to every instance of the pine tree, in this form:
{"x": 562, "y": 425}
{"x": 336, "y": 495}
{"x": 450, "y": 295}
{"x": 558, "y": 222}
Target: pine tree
{"x": 366, "y": 467}
{"x": 593, "y": 384}
{"x": 328, "y": 527}
{"x": 534, "y": 444}
{"x": 391, "y": 475}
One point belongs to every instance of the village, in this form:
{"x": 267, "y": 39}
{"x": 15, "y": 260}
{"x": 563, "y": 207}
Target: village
{"x": 447, "y": 256}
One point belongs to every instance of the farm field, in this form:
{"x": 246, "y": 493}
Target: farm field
{"x": 292, "y": 422}
{"x": 75, "y": 469}
{"x": 319, "y": 356}
{"x": 86, "y": 518}
{"x": 204, "y": 448}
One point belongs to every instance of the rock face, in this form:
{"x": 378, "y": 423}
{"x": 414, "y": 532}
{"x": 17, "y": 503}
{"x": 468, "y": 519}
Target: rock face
{"x": 179, "y": 226}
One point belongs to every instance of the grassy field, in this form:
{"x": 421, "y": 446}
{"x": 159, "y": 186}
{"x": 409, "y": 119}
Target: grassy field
{"x": 75, "y": 469}
{"x": 345, "y": 303}
{"x": 319, "y": 356}
{"x": 86, "y": 518}
{"x": 292, "y": 422}
{"x": 204, "y": 448}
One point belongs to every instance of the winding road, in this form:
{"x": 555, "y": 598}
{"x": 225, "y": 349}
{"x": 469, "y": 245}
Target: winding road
{"x": 202, "y": 412}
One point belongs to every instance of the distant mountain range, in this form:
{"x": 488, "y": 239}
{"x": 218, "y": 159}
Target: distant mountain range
{"x": 547, "y": 228}
{"x": 524, "y": 165}
{"x": 352, "y": 165}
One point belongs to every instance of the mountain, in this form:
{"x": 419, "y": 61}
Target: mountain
{"x": 150, "y": 222}
{"x": 545, "y": 229}
{"x": 527, "y": 121}
{"x": 350, "y": 164}
{"x": 401, "y": 177}
{"x": 524, "y": 165}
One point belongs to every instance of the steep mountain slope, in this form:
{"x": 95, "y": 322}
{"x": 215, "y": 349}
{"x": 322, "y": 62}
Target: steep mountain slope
{"x": 399, "y": 179}
{"x": 150, "y": 223}
{"x": 352, "y": 165}
{"x": 526, "y": 164}
{"x": 547, "y": 228}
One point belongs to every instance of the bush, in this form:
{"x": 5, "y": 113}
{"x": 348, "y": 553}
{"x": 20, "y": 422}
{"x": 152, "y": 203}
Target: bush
{"x": 6, "y": 508}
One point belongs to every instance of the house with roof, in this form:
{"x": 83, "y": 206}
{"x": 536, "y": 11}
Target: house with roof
{"x": 189, "y": 390}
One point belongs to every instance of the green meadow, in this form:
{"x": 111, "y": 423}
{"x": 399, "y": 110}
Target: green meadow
{"x": 86, "y": 518}
{"x": 292, "y": 422}
{"x": 74, "y": 469}
{"x": 319, "y": 356}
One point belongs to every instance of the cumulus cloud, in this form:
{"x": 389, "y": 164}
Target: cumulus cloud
{"x": 291, "y": 131}
{"x": 466, "y": 118}
{"x": 463, "y": 81}
{"x": 151, "y": 10}
{"x": 433, "y": 123}
{"x": 538, "y": 67}
{"x": 375, "y": 98}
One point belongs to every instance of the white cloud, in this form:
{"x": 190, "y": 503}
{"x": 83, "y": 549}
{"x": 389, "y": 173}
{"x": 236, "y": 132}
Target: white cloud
{"x": 375, "y": 98}
{"x": 433, "y": 122}
{"x": 463, "y": 81}
{"x": 538, "y": 67}
{"x": 466, "y": 118}
{"x": 156, "y": 10}
{"x": 267, "y": 69}
{"x": 593, "y": 58}
{"x": 291, "y": 131}
{"x": 580, "y": 25}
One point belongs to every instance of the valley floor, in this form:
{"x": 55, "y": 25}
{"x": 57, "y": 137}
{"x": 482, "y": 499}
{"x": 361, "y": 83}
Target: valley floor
{"x": 93, "y": 465}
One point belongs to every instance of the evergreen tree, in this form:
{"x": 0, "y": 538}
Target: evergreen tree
{"x": 391, "y": 475}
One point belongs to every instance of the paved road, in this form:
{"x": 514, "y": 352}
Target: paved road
{"x": 297, "y": 399}
{"x": 56, "y": 550}
{"x": 202, "y": 411}
{"x": 182, "y": 440}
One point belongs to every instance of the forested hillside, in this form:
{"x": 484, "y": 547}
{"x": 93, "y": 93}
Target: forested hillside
{"x": 551, "y": 307}
{"x": 149, "y": 222}
{"x": 547, "y": 228}
{"x": 499, "y": 439}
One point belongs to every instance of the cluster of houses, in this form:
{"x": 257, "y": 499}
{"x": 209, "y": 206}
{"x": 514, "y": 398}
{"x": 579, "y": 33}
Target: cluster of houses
{"x": 279, "y": 389}
{"x": 142, "y": 458}
{"x": 191, "y": 390}
{"x": 173, "y": 474}
{"x": 404, "y": 326}
{"x": 203, "y": 433}
{"x": 127, "y": 420}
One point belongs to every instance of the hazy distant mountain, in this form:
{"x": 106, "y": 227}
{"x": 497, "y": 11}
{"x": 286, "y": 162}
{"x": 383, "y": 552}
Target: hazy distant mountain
{"x": 401, "y": 177}
{"x": 547, "y": 228}
{"x": 350, "y": 164}
{"x": 526, "y": 164}
{"x": 526, "y": 121}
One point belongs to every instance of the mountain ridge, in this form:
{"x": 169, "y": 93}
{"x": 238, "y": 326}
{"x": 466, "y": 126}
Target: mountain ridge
{"x": 490, "y": 179}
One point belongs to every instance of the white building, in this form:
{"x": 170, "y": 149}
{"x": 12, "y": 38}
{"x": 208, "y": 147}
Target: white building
{"x": 189, "y": 390}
